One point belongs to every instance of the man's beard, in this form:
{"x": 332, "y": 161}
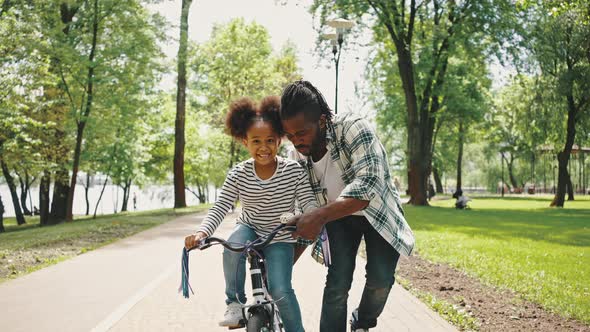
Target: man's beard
{"x": 318, "y": 141}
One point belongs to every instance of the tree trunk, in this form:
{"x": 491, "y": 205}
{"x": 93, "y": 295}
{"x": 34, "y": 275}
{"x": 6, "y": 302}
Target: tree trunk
{"x": 437, "y": 181}
{"x": 86, "y": 191}
{"x": 509, "y": 166}
{"x": 126, "y": 190}
{"x": 564, "y": 156}
{"x": 60, "y": 196}
{"x": 196, "y": 194}
{"x": 44, "y": 198}
{"x": 24, "y": 190}
{"x": 570, "y": 188}
{"x": 232, "y": 151}
{"x": 100, "y": 196}
{"x": 201, "y": 192}
{"x": 460, "y": 155}
{"x": 58, "y": 210}
{"x": 179, "y": 142}
{"x": 2, "y": 230}
{"x": 84, "y": 117}
{"x": 420, "y": 119}
{"x": 20, "y": 218}
{"x": 417, "y": 164}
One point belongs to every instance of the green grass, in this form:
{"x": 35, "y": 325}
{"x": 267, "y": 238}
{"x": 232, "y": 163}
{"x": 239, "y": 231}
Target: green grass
{"x": 516, "y": 243}
{"x": 29, "y": 247}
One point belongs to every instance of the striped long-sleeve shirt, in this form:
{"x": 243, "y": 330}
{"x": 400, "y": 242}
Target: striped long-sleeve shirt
{"x": 263, "y": 201}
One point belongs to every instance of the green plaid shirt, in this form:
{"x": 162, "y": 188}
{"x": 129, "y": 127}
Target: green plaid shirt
{"x": 362, "y": 160}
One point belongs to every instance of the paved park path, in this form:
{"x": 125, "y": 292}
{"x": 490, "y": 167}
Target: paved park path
{"x": 131, "y": 285}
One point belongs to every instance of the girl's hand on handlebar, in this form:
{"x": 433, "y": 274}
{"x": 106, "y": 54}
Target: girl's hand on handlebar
{"x": 194, "y": 240}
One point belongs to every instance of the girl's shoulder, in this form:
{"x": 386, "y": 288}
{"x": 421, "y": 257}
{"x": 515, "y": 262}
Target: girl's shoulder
{"x": 242, "y": 167}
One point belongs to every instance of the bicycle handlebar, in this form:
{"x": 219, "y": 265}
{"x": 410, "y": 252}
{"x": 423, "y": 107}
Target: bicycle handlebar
{"x": 256, "y": 244}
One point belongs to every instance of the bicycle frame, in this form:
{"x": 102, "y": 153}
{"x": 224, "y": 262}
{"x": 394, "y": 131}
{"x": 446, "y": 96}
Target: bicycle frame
{"x": 260, "y": 294}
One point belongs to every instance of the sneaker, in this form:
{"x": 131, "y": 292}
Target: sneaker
{"x": 233, "y": 316}
{"x": 361, "y": 330}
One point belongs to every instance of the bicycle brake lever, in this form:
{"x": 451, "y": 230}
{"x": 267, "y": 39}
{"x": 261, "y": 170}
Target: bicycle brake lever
{"x": 204, "y": 244}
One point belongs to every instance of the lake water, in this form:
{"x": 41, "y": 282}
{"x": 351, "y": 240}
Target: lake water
{"x": 148, "y": 198}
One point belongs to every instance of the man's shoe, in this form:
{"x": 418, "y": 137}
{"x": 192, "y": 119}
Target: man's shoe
{"x": 233, "y": 316}
{"x": 353, "y": 321}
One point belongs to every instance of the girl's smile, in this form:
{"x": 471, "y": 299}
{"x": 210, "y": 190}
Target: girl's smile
{"x": 262, "y": 142}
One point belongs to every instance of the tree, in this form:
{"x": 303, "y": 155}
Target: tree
{"x": 423, "y": 36}
{"x": 465, "y": 101}
{"x": 179, "y": 142}
{"x": 237, "y": 61}
{"x": 93, "y": 45}
{"x": 90, "y": 60}
{"x": 21, "y": 78}
{"x": 560, "y": 44}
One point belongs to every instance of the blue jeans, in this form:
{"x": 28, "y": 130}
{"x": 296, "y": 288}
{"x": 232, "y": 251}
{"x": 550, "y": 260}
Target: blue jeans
{"x": 279, "y": 267}
{"x": 345, "y": 237}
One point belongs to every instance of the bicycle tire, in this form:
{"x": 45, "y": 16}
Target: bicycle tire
{"x": 258, "y": 322}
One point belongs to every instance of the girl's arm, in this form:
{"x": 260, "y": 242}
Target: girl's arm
{"x": 227, "y": 198}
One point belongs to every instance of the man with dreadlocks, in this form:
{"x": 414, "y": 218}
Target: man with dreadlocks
{"x": 349, "y": 174}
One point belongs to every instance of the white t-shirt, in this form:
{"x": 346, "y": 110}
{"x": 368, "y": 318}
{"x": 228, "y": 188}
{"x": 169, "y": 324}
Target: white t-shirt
{"x": 330, "y": 178}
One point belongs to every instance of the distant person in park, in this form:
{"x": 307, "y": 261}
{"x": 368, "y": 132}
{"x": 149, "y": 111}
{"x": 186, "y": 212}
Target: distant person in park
{"x": 462, "y": 200}
{"x": 134, "y": 201}
{"x": 267, "y": 187}
{"x": 349, "y": 174}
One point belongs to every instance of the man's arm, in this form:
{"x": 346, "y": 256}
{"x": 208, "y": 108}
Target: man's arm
{"x": 310, "y": 224}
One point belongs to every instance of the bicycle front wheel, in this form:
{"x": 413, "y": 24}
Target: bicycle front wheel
{"x": 258, "y": 322}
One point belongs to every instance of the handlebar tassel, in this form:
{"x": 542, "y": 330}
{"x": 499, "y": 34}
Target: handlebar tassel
{"x": 185, "y": 286}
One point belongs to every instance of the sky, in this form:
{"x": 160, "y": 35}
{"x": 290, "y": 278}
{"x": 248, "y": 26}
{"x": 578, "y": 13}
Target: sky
{"x": 284, "y": 20}
{"x": 290, "y": 20}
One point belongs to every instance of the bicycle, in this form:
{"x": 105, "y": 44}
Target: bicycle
{"x": 263, "y": 315}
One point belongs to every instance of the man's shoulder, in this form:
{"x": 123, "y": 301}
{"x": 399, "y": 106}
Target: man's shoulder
{"x": 349, "y": 121}
{"x": 351, "y": 124}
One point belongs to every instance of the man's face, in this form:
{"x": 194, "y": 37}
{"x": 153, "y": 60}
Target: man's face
{"x": 306, "y": 136}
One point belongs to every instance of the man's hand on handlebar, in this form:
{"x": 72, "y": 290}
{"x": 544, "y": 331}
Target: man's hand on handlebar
{"x": 194, "y": 240}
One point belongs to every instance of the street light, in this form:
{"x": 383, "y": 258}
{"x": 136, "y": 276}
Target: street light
{"x": 336, "y": 39}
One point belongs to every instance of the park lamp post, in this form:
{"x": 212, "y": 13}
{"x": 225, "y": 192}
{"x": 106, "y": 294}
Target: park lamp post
{"x": 336, "y": 39}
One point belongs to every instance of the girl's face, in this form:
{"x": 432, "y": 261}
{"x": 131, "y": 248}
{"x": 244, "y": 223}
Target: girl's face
{"x": 262, "y": 142}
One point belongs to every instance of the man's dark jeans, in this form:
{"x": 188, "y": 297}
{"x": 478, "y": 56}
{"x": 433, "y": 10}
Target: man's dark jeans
{"x": 345, "y": 237}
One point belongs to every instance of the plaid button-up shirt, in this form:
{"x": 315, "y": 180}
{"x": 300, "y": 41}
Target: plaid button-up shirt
{"x": 358, "y": 153}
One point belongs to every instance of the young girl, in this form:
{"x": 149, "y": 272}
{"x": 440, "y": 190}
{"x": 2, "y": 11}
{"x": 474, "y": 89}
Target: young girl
{"x": 267, "y": 186}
